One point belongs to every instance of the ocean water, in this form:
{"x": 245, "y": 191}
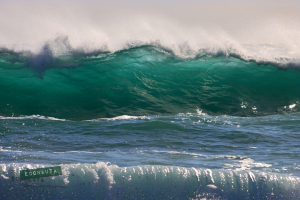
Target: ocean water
{"x": 156, "y": 109}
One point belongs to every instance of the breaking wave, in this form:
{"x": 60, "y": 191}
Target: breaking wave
{"x": 143, "y": 80}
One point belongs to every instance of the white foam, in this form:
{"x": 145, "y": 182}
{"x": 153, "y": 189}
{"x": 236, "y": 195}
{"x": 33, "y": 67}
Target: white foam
{"x": 246, "y": 164}
{"x": 33, "y": 117}
{"x": 292, "y": 106}
{"x": 212, "y": 186}
{"x": 122, "y": 117}
{"x": 8, "y": 149}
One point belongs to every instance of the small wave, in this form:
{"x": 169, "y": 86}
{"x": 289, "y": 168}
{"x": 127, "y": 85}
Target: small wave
{"x": 122, "y": 117}
{"x": 34, "y": 117}
{"x": 148, "y": 182}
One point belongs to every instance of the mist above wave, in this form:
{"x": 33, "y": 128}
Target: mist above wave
{"x": 262, "y": 30}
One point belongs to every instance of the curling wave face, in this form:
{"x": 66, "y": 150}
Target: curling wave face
{"x": 143, "y": 80}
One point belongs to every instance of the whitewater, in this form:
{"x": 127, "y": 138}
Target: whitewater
{"x": 150, "y": 100}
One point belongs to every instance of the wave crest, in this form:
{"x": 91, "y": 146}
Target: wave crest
{"x": 148, "y": 182}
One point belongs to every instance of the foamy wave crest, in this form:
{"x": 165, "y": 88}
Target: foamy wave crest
{"x": 106, "y": 181}
{"x": 33, "y": 117}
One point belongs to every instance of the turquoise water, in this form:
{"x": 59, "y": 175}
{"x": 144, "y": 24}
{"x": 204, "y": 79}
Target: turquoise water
{"x": 142, "y": 123}
{"x": 143, "y": 81}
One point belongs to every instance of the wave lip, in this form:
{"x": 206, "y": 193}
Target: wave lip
{"x": 60, "y": 53}
{"x": 189, "y": 25}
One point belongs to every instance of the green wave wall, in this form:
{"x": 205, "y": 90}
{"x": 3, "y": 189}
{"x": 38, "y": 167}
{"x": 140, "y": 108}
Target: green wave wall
{"x": 142, "y": 81}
